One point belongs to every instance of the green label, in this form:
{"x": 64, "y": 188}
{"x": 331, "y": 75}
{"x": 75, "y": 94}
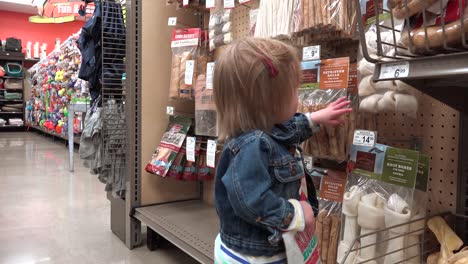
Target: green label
{"x": 423, "y": 173}
{"x": 400, "y": 167}
{"x": 368, "y": 174}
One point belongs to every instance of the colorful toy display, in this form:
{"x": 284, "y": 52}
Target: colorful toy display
{"x": 54, "y": 84}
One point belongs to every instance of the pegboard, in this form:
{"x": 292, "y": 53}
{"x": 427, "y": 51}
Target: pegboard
{"x": 435, "y": 130}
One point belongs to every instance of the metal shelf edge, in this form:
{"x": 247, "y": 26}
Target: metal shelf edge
{"x": 191, "y": 251}
{"x": 441, "y": 66}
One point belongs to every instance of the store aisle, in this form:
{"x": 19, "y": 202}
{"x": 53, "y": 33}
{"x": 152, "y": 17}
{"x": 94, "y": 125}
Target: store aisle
{"x": 49, "y": 215}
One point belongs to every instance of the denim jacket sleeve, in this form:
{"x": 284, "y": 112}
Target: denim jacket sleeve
{"x": 295, "y": 131}
{"x": 248, "y": 184}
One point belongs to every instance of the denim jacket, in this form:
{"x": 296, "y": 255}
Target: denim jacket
{"x": 256, "y": 175}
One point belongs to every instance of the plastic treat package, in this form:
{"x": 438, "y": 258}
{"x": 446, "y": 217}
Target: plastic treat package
{"x": 170, "y": 146}
{"x": 177, "y": 167}
{"x": 379, "y": 194}
{"x": 329, "y": 15}
{"x": 253, "y": 14}
{"x": 328, "y": 223}
{"x": 185, "y": 51}
{"x": 205, "y": 109}
{"x": 329, "y": 142}
{"x": 190, "y": 170}
{"x": 220, "y": 26}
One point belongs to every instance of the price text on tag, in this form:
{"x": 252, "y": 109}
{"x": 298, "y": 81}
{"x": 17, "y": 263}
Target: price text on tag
{"x": 395, "y": 70}
{"x": 172, "y": 21}
{"x": 211, "y": 153}
{"x": 210, "y": 3}
{"x": 311, "y": 53}
{"x": 210, "y": 68}
{"x": 229, "y": 4}
{"x": 185, "y": 2}
{"x": 190, "y": 146}
{"x": 170, "y": 110}
{"x": 189, "y": 68}
{"x": 365, "y": 138}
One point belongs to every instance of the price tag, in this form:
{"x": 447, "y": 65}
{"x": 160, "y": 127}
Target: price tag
{"x": 210, "y": 68}
{"x": 210, "y": 3}
{"x": 211, "y": 153}
{"x": 185, "y": 2}
{"x": 309, "y": 162}
{"x": 189, "y": 68}
{"x": 311, "y": 53}
{"x": 170, "y": 110}
{"x": 394, "y": 70}
{"x": 243, "y": 1}
{"x": 172, "y": 21}
{"x": 190, "y": 146}
{"x": 365, "y": 138}
{"x": 229, "y": 4}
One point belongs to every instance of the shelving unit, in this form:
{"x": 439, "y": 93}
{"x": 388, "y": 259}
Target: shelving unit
{"x": 17, "y": 57}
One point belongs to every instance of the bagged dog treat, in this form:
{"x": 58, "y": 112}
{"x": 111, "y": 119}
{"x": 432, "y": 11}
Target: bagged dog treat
{"x": 170, "y": 146}
{"x": 205, "y": 109}
{"x": 184, "y": 44}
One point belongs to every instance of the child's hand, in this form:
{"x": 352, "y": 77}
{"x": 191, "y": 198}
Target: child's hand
{"x": 332, "y": 114}
{"x": 308, "y": 214}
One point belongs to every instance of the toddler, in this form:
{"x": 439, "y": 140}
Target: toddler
{"x": 261, "y": 171}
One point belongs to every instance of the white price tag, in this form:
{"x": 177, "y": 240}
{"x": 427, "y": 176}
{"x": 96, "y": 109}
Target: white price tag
{"x": 211, "y": 153}
{"x": 243, "y": 1}
{"x": 229, "y": 4}
{"x": 365, "y": 138}
{"x": 189, "y": 68}
{"x": 210, "y": 68}
{"x": 311, "y": 53}
{"x": 309, "y": 162}
{"x": 190, "y": 145}
{"x": 185, "y": 2}
{"x": 170, "y": 110}
{"x": 172, "y": 21}
{"x": 210, "y": 3}
{"x": 394, "y": 70}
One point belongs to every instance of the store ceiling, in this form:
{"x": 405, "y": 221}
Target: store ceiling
{"x": 20, "y": 6}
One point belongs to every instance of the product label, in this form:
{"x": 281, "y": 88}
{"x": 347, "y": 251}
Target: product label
{"x": 365, "y": 161}
{"x": 309, "y": 163}
{"x": 210, "y": 68}
{"x": 394, "y": 70}
{"x": 210, "y": 4}
{"x": 353, "y": 79}
{"x": 185, "y": 37}
{"x": 311, "y": 53}
{"x": 170, "y": 110}
{"x": 190, "y": 146}
{"x": 334, "y": 73}
{"x": 185, "y": 2}
{"x": 365, "y": 138}
{"x": 333, "y": 186}
{"x": 189, "y": 69}
{"x": 172, "y": 21}
{"x": 228, "y": 4}
{"x": 370, "y": 11}
{"x": 211, "y": 153}
{"x": 423, "y": 172}
{"x": 400, "y": 167}
{"x": 310, "y": 74}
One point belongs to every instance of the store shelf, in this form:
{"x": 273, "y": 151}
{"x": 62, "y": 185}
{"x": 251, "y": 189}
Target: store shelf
{"x": 9, "y": 126}
{"x": 192, "y": 226}
{"x": 10, "y": 113}
{"x": 11, "y": 101}
{"x": 11, "y": 56}
{"x": 76, "y": 139}
{"x": 11, "y": 77}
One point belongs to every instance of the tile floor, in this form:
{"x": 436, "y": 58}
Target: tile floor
{"x": 50, "y": 215}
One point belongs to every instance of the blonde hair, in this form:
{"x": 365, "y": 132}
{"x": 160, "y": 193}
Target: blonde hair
{"x": 253, "y": 82}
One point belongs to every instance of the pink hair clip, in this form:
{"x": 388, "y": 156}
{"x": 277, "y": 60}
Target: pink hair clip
{"x": 271, "y": 68}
